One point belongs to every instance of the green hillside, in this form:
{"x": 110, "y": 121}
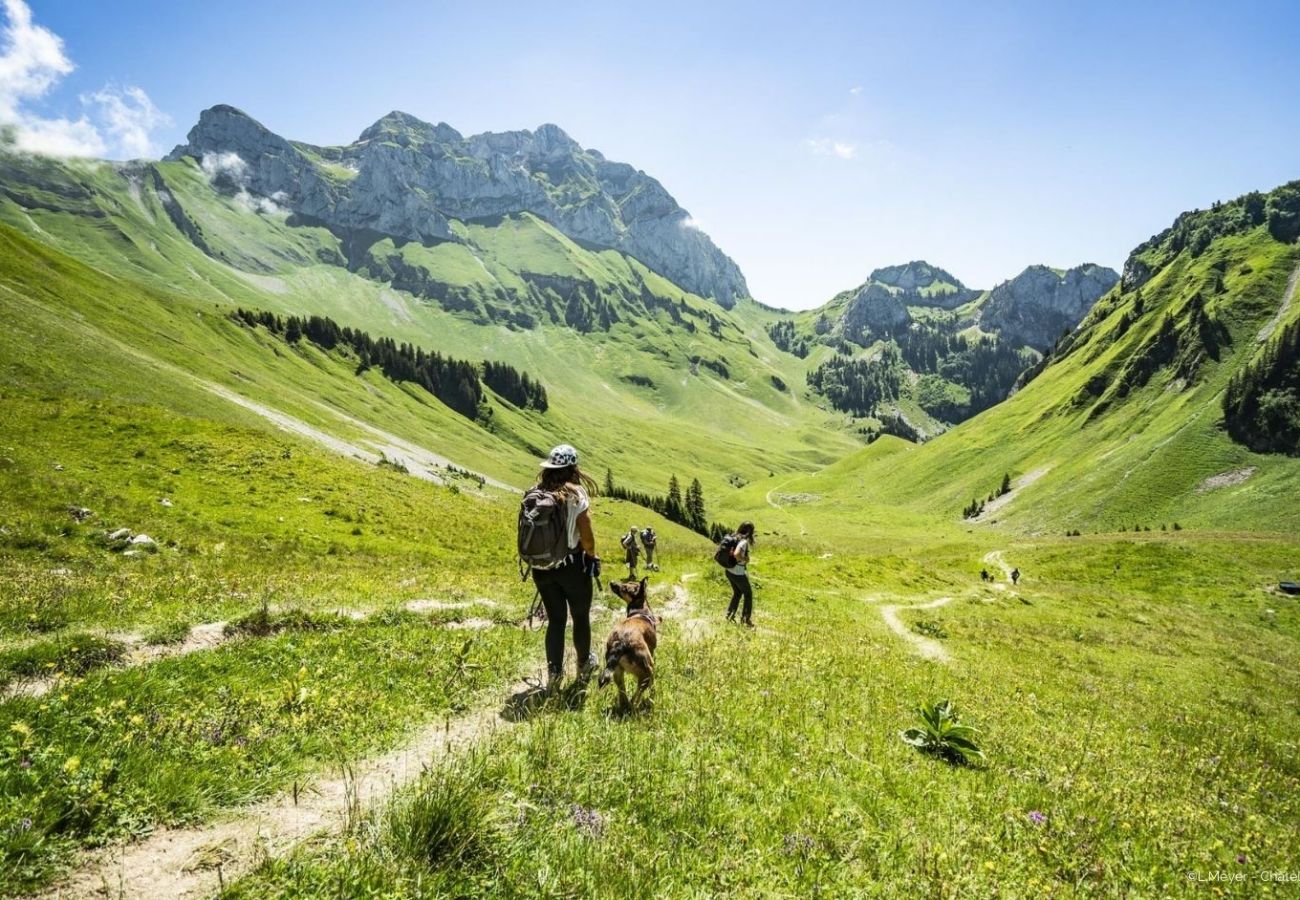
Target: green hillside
{"x": 1123, "y": 426}
{"x": 633, "y": 349}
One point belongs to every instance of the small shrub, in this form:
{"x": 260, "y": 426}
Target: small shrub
{"x": 942, "y": 735}
{"x": 168, "y": 633}
{"x": 450, "y": 820}
{"x": 930, "y": 629}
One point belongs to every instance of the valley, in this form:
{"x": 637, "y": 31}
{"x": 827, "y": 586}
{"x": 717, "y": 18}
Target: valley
{"x": 316, "y": 380}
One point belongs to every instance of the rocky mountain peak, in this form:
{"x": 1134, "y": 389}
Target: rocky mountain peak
{"x": 409, "y": 179}
{"x": 914, "y": 275}
{"x": 1041, "y": 303}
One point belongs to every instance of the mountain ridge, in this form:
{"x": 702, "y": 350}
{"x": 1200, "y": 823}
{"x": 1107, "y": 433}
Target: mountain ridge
{"x": 407, "y": 179}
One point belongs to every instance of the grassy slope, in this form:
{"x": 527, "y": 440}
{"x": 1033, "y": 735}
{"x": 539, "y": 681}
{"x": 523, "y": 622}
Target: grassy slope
{"x": 255, "y": 514}
{"x": 705, "y": 425}
{"x": 1144, "y": 458}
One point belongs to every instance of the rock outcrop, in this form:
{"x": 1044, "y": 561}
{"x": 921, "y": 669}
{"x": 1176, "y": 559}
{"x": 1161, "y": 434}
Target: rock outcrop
{"x": 922, "y": 284}
{"x": 876, "y": 310}
{"x": 1040, "y": 304}
{"x": 408, "y": 179}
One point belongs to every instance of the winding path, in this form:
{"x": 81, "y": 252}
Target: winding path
{"x": 926, "y": 648}
{"x": 200, "y": 861}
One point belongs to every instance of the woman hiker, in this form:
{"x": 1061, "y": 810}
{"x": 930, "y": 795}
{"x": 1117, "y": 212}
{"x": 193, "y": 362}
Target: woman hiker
{"x": 738, "y": 576}
{"x": 566, "y": 586}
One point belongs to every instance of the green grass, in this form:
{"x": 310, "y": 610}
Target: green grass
{"x": 1144, "y": 724}
{"x": 67, "y": 654}
{"x": 1133, "y": 695}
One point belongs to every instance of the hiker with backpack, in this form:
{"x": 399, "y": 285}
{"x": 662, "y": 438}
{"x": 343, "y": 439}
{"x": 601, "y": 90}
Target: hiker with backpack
{"x": 733, "y": 555}
{"x": 650, "y": 540}
{"x": 558, "y": 545}
{"x": 632, "y": 551}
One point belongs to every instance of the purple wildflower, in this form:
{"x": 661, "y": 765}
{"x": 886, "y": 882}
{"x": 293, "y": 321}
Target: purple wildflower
{"x": 1036, "y": 817}
{"x": 1241, "y": 859}
{"x": 25, "y": 764}
{"x": 588, "y": 820}
{"x": 798, "y": 844}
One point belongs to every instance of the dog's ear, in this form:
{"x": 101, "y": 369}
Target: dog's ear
{"x": 643, "y": 581}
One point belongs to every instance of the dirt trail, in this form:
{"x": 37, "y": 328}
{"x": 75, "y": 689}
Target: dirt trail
{"x": 1267, "y": 331}
{"x": 926, "y": 648}
{"x": 994, "y": 558}
{"x": 190, "y": 862}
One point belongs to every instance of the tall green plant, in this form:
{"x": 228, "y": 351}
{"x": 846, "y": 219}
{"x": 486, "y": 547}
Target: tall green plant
{"x": 942, "y": 735}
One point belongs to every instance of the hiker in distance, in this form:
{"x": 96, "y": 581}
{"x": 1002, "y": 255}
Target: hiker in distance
{"x": 557, "y": 542}
{"x": 632, "y": 551}
{"x": 1015, "y": 576}
{"x": 734, "y": 549}
{"x": 650, "y": 540}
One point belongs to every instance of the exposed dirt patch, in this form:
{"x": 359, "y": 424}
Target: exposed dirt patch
{"x": 1267, "y": 331}
{"x": 1022, "y": 482}
{"x": 1226, "y": 479}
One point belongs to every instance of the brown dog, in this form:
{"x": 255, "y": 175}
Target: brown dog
{"x": 631, "y": 645}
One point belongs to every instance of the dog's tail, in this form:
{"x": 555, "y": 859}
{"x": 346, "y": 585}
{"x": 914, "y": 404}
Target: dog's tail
{"x": 612, "y": 656}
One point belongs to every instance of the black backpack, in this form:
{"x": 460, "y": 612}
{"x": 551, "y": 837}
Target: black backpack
{"x": 543, "y": 530}
{"x": 723, "y": 555}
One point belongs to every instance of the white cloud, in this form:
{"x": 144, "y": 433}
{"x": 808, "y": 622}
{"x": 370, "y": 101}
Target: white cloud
{"x": 130, "y": 116}
{"x": 831, "y": 147}
{"x": 855, "y": 90}
{"x": 32, "y": 63}
{"x": 692, "y": 223}
{"x": 232, "y": 171}
{"x": 230, "y": 165}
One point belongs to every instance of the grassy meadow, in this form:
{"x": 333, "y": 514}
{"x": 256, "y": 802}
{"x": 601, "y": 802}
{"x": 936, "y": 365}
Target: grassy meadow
{"x": 303, "y": 603}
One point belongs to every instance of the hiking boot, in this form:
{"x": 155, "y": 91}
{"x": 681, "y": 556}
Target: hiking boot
{"x": 731, "y": 617}
{"x": 587, "y": 669}
{"x": 553, "y": 681}
{"x": 748, "y": 623}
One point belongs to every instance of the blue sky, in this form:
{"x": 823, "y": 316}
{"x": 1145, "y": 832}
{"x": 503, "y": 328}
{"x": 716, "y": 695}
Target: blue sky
{"x": 814, "y": 142}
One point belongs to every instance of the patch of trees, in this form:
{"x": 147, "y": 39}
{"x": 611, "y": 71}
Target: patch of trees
{"x": 718, "y": 366}
{"x": 859, "y": 386}
{"x": 687, "y": 510}
{"x": 1194, "y": 231}
{"x": 779, "y": 383}
{"x": 1184, "y": 349}
{"x": 457, "y": 383}
{"x": 517, "y": 387}
{"x": 976, "y": 506}
{"x": 894, "y": 423}
{"x": 1261, "y": 407}
{"x": 987, "y": 368}
{"x": 784, "y": 336}
{"x": 644, "y": 381}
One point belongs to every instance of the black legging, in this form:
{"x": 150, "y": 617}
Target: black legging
{"x": 740, "y": 587}
{"x": 565, "y": 590}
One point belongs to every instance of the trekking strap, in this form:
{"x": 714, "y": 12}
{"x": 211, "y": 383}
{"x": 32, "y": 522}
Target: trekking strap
{"x": 537, "y": 610}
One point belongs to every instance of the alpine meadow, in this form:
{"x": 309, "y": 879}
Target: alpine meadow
{"x": 281, "y": 423}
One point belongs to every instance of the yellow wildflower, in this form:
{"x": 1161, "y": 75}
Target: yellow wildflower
{"x": 72, "y": 764}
